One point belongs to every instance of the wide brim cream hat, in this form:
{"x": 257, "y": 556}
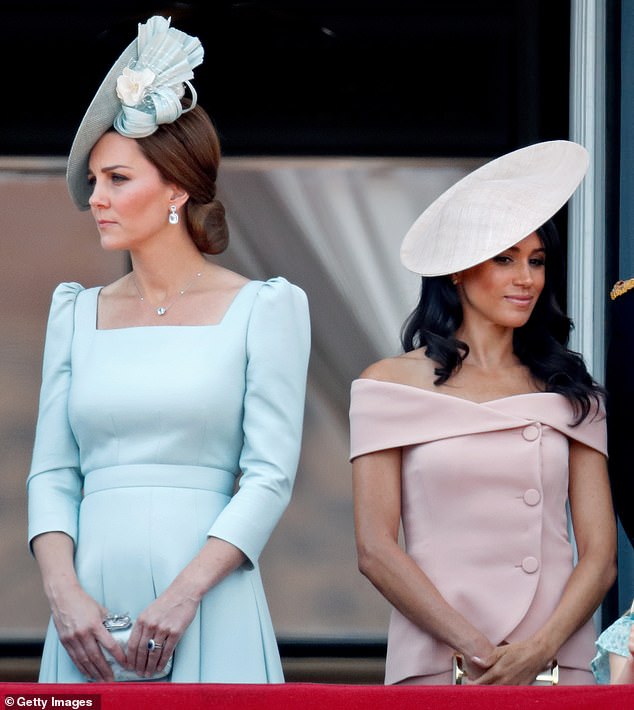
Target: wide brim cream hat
{"x": 494, "y": 207}
{"x": 143, "y": 89}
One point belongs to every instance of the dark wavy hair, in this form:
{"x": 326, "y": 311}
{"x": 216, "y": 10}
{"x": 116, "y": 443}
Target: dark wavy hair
{"x": 541, "y": 344}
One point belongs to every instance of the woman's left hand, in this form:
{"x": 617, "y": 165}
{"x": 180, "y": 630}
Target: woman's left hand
{"x": 163, "y": 622}
{"x": 166, "y": 619}
{"x": 511, "y": 664}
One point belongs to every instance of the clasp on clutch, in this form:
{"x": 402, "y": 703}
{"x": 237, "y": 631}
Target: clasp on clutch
{"x": 550, "y": 675}
{"x": 115, "y": 622}
{"x": 458, "y": 672}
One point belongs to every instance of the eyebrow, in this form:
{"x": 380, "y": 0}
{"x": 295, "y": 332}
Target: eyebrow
{"x": 110, "y": 168}
{"x": 516, "y": 248}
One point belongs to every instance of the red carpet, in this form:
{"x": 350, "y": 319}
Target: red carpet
{"x": 309, "y": 696}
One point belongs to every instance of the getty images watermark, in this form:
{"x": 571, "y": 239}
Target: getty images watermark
{"x": 46, "y": 701}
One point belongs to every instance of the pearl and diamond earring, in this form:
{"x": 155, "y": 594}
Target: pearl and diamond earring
{"x": 173, "y": 216}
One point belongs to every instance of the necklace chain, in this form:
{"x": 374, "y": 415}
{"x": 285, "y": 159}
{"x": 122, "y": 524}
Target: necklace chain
{"x": 162, "y": 310}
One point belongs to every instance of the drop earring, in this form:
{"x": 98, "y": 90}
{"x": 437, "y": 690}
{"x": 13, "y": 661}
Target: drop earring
{"x": 173, "y": 217}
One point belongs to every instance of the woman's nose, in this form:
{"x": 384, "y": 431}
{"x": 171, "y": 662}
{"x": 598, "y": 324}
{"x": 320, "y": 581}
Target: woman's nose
{"x": 523, "y": 274}
{"x": 97, "y": 198}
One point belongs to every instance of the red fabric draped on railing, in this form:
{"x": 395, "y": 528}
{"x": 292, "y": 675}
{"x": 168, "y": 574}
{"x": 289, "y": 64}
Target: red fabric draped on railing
{"x": 309, "y": 696}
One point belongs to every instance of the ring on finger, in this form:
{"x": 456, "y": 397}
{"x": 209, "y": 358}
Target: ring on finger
{"x": 152, "y": 645}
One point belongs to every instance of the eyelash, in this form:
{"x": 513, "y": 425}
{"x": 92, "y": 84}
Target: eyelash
{"x": 115, "y": 178}
{"x": 537, "y": 261}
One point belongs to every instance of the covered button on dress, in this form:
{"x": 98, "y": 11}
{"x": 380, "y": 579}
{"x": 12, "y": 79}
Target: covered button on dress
{"x": 484, "y": 493}
{"x": 149, "y": 440}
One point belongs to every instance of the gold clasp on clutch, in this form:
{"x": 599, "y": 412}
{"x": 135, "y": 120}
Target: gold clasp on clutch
{"x": 458, "y": 672}
{"x": 550, "y": 675}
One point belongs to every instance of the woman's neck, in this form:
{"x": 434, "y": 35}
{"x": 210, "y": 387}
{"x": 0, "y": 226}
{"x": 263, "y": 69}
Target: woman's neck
{"x": 490, "y": 347}
{"x": 160, "y": 273}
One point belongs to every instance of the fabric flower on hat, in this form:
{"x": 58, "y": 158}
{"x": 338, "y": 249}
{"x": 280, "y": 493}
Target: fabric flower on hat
{"x": 151, "y": 89}
{"x": 132, "y": 85}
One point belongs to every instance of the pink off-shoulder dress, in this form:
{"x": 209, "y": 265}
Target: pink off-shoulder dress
{"x": 484, "y": 494}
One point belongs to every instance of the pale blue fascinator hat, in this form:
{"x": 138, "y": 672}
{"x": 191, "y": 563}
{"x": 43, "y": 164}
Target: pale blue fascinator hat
{"x": 142, "y": 90}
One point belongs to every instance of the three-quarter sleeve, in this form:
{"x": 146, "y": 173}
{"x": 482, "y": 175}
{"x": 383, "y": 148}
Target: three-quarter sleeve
{"x": 54, "y": 483}
{"x": 278, "y": 349}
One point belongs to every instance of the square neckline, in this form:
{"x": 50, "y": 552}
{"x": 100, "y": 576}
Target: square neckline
{"x": 164, "y": 326}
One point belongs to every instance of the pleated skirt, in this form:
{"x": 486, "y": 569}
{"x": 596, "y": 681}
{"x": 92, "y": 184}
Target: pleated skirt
{"x": 138, "y": 528}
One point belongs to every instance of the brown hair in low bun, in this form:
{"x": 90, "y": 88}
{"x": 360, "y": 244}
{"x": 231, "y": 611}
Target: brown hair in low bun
{"x": 208, "y": 226}
{"x": 187, "y": 153}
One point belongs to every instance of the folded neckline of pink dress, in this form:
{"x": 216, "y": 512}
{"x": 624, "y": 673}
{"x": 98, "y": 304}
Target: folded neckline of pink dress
{"x": 388, "y": 414}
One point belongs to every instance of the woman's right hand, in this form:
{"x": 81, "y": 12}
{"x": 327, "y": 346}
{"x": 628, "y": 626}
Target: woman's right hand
{"x": 78, "y": 619}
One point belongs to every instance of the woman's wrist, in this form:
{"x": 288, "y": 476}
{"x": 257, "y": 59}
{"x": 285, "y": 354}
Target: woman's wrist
{"x": 477, "y": 646}
{"x": 191, "y": 584}
{"x": 543, "y": 649}
{"x": 60, "y": 584}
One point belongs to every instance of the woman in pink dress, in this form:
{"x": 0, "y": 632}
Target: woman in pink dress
{"x": 476, "y": 442}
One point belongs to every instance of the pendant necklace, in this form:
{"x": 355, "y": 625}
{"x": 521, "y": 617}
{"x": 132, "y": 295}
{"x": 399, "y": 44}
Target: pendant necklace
{"x": 162, "y": 310}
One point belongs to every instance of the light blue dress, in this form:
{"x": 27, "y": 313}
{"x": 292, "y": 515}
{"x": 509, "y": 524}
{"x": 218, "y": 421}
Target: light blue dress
{"x": 142, "y": 436}
{"x": 614, "y": 639}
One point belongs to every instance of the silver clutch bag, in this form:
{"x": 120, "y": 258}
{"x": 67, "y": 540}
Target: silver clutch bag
{"x": 120, "y": 626}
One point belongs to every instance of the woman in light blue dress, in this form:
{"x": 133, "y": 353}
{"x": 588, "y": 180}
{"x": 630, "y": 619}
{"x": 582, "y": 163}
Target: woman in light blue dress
{"x": 171, "y": 406}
